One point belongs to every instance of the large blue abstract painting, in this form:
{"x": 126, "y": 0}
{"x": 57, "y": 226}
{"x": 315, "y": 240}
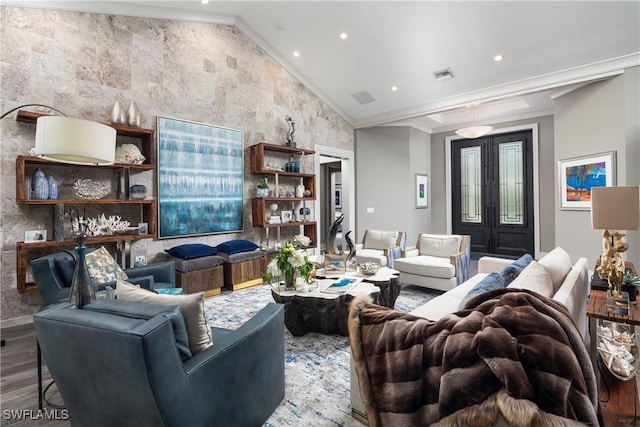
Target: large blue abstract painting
{"x": 200, "y": 178}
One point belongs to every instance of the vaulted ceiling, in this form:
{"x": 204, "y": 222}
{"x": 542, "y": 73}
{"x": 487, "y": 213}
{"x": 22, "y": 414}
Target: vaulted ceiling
{"x": 548, "y": 48}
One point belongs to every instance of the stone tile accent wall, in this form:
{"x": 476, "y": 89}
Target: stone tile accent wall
{"x": 81, "y": 63}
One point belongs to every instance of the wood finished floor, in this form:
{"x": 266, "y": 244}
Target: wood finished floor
{"x": 19, "y": 379}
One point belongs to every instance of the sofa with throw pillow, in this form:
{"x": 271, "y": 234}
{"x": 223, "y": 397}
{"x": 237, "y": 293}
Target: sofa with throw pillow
{"x": 553, "y": 276}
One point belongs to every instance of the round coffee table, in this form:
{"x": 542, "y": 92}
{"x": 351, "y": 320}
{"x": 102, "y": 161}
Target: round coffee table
{"x": 318, "y": 311}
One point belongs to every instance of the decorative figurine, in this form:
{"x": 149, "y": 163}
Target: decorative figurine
{"x": 292, "y": 130}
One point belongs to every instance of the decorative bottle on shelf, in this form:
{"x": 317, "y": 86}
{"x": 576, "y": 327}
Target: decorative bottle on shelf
{"x": 39, "y": 185}
{"x": 53, "y": 188}
{"x": 300, "y": 191}
{"x": 117, "y": 114}
{"x": 133, "y": 115}
{"x": 82, "y": 291}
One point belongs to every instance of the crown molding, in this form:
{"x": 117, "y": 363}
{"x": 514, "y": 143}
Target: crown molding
{"x": 498, "y": 120}
{"x": 412, "y": 123}
{"x": 126, "y": 8}
{"x": 586, "y": 73}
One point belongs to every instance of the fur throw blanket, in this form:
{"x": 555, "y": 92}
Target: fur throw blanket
{"x": 510, "y": 352}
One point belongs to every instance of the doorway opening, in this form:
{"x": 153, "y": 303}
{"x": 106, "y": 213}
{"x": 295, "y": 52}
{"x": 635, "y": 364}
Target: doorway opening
{"x": 335, "y": 175}
{"x": 492, "y": 191}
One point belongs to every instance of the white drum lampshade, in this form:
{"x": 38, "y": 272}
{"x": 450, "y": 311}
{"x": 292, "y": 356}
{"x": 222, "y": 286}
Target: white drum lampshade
{"x": 76, "y": 141}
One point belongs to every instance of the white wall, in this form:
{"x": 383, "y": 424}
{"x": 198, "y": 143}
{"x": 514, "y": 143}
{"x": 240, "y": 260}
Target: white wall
{"x": 387, "y": 159}
{"x": 589, "y": 121}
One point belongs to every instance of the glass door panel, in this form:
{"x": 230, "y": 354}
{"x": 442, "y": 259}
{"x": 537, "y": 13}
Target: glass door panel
{"x": 471, "y": 184}
{"x": 511, "y": 183}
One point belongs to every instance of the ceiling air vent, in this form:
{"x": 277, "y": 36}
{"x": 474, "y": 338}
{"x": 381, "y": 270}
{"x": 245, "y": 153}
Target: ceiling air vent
{"x": 444, "y": 74}
{"x": 363, "y": 97}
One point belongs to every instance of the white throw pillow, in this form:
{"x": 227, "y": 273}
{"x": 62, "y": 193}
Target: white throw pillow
{"x": 558, "y": 265}
{"x": 191, "y": 305}
{"x": 535, "y": 278}
{"x": 439, "y": 245}
{"x": 376, "y": 239}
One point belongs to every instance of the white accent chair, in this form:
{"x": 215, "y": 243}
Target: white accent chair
{"x": 437, "y": 261}
{"x": 380, "y": 246}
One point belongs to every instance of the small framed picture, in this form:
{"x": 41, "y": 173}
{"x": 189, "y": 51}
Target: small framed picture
{"x": 338, "y": 198}
{"x": 421, "y": 191}
{"x": 143, "y": 228}
{"x": 286, "y": 216}
{"x": 31, "y": 236}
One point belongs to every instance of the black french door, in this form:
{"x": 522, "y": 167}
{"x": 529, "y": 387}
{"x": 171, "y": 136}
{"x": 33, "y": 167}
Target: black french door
{"x": 492, "y": 196}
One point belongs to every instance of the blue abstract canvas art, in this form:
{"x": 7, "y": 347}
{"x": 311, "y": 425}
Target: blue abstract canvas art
{"x": 200, "y": 178}
{"x": 577, "y": 176}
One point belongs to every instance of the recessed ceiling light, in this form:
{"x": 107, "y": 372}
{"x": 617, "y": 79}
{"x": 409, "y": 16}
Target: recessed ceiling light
{"x": 343, "y": 36}
{"x": 204, "y": 1}
{"x": 394, "y": 88}
{"x": 498, "y": 58}
{"x": 296, "y": 53}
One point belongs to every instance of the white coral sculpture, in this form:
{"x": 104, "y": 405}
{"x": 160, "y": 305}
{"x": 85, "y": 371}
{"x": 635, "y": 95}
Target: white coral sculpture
{"x": 103, "y": 226}
{"x": 89, "y": 189}
{"x": 129, "y": 154}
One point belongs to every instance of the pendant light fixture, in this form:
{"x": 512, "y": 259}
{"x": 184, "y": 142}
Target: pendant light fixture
{"x": 473, "y": 132}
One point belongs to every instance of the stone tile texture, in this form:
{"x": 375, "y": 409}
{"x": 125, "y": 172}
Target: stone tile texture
{"x": 81, "y": 63}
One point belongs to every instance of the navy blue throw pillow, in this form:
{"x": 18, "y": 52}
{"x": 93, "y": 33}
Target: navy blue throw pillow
{"x": 192, "y": 250}
{"x": 523, "y": 261}
{"x": 511, "y": 271}
{"x": 236, "y": 246}
{"x": 488, "y": 283}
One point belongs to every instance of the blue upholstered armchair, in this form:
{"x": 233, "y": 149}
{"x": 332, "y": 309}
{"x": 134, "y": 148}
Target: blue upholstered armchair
{"x": 53, "y": 274}
{"x": 117, "y": 367}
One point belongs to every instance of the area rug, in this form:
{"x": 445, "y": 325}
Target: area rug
{"x": 316, "y": 365}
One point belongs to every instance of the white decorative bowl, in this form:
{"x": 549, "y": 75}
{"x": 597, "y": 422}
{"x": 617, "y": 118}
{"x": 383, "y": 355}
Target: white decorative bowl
{"x": 369, "y": 268}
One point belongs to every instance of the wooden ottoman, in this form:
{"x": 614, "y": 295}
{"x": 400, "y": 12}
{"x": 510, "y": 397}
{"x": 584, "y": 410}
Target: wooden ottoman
{"x": 204, "y": 274}
{"x": 243, "y": 269}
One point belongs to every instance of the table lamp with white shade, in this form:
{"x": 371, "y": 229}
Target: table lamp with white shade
{"x": 614, "y": 209}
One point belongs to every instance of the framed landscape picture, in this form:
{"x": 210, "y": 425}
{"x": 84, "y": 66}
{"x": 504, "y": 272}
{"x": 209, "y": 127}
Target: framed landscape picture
{"x": 578, "y": 175}
{"x": 200, "y": 178}
{"x": 421, "y": 191}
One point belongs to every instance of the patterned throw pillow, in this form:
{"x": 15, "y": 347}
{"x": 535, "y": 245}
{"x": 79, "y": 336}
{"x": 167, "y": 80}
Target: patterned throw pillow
{"x": 103, "y": 268}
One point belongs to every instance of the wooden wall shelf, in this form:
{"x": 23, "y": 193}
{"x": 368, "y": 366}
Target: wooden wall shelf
{"x": 258, "y": 154}
{"x": 26, "y": 164}
{"x": 147, "y": 143}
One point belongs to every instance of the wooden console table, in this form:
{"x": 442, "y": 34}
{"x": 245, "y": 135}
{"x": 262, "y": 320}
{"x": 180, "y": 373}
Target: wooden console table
{"x": 618, "y": 399}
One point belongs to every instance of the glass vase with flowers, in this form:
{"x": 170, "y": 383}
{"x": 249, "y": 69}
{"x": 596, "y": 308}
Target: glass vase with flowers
{"x": 289, "y": 262}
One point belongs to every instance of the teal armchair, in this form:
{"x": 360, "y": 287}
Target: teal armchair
{"x": 53, "y": 275}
